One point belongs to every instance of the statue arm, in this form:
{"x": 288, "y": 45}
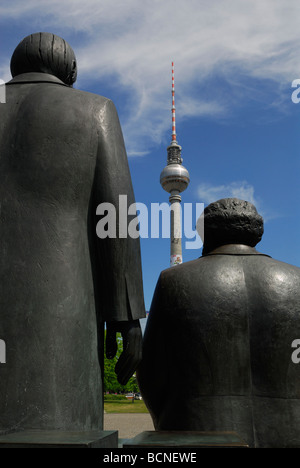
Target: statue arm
{"x": 118, "y": 255}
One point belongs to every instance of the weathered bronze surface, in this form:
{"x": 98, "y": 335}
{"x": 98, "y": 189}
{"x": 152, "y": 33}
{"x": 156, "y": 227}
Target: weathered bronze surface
{"x": 61, "y": 154}
{"x": 217, "y": 346}
{"x": 60, "y": 439}
{"x": 186, "y": 439}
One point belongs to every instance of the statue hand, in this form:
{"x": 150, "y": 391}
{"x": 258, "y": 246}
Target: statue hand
{"x": 132, "y": 347}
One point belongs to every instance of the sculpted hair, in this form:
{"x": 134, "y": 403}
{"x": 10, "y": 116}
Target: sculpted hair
{"x": 231, "y": 221}
{"x": 45, "y": 53}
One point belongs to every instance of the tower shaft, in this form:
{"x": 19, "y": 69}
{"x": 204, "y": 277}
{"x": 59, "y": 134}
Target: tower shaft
{"x": 176, "y": 235}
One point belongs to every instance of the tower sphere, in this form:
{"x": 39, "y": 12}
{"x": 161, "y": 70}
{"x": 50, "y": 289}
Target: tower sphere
{"x": 174, "y": 177}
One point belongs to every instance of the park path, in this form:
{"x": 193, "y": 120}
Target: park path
{"x": 128, "y": 424}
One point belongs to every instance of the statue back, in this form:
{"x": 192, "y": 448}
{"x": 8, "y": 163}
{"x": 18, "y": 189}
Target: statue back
{"x": 218, "y": 348}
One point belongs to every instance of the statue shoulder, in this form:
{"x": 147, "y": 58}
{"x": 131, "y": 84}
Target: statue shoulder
{"x": 276, "y": 270}
{"x": 94, "y": 106}
{"x": 277, "y": 282}
{"x": 92, "y": 99}
{"x": 280, "y": 273}
{"x": 179, "y": 274}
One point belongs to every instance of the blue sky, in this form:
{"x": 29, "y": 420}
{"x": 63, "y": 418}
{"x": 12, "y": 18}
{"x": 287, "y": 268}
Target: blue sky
{"x": 237, "y": 125}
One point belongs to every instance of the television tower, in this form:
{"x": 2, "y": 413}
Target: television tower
{"x": 174, "y": 179}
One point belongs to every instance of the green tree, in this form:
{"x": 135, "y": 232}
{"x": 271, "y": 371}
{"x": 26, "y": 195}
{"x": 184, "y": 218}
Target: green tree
{"x": 111, "y": 383}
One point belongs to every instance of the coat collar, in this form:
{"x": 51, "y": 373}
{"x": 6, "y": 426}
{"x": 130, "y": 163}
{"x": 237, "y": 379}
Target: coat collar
{"x": 235, "y": 249}
{"x": 36, "y": 78}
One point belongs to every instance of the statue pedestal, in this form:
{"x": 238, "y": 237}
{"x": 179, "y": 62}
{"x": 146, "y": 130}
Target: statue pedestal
{"x": 186, "y": 439}
{"x": 59, "y": 439}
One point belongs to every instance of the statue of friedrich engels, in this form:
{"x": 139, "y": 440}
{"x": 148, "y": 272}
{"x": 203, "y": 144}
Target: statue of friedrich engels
{"x": 62, "y": 153}
{"x": 217, "y": 350}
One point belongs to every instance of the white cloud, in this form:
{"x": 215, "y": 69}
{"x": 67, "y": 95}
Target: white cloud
{"x": 133, "y": 43}
{"x": 209, "y": 193}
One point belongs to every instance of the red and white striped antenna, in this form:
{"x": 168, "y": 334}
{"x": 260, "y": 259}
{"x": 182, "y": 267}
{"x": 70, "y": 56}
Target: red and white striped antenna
{"x": 173, "y": 106}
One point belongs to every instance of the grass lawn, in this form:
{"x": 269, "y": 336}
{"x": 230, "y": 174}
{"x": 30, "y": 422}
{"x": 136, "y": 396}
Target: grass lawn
{"x": 125, "y": 406}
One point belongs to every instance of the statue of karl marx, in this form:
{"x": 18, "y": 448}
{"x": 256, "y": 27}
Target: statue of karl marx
{"x": 61, "y": 155}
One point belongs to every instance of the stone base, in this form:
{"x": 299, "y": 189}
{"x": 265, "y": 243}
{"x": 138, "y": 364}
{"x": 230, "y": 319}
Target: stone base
{"x": 186, "y": 439}
{"x": 59, "y": 439}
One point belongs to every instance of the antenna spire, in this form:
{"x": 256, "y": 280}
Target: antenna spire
{"x": 173, "y": 106}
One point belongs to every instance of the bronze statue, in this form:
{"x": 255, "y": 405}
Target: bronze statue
{"x": 61, "y": 155}
{"x": 217, "y": 346}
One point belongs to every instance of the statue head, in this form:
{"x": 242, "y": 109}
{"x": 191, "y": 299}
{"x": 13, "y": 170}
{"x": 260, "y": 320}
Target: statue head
{"x": 231, "y": 221}
{"x": 45, "y": 53}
